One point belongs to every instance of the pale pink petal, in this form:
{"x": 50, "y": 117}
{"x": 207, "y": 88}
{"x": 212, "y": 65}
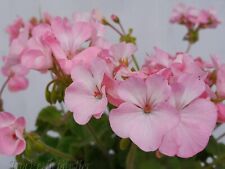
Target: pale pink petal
{"x": 83, "y": 104}
{"x": 191, "y": 136}
{"x": 189, "y": 88}
{"x": 158, "y": 89}
{"x": 133, "y": 91}
{"x": 86, "y": 56}
{"x": 122, "y": 118}
{"x": 145, "y": 130}
{"x": 81, "y": 74}
{"x": 6, "y": 119}
{"x": 10, "y": 145}
{"x": 17, "y": 83}
{"x": 35, "y": 59}
{"x": 81, "y": 32}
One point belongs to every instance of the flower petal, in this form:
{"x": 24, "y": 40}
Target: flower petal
{"x": 192, "y": 133}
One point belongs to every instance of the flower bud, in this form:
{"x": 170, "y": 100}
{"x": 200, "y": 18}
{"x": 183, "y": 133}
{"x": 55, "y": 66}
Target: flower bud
{"x": 115, "y": 18}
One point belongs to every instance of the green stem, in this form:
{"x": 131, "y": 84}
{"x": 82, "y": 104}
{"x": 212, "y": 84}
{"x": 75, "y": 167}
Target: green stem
{"x": 114, "y": 28}
{"x": 220, "y": 137}
{"x": 131, "y": 157}
{"x": 122, "y": 28}
{"x": 4, "y": 85}
{"x": 188, "y": 48}
{"x": 97, "y": 140}
{"x": 47, "y": 149}
{"x": 135, "y": 62}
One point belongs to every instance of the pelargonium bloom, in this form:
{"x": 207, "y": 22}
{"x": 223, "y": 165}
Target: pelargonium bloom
{"x": 197, "y": 119}
{"x": 12, "y": 142}
{"x": 14, "y": 29}
{"x": 220, "y": 79}
{"x": 68, "y": 41}
{"x": 38, "y": 55}
{"x": 193, "y": 18}
{"x": 17, "y": 83}
{"x": 121, "y": 53}
{"x": 144, "y": 116}
{"x": 86, "y": 96}
{"x": 208, "y": 19}
{"x": 12, "y": 62}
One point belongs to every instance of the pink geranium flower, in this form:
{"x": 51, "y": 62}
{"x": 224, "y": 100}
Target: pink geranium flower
{"x": 121, "y": 53}
{"x": 69, "y": 40}
{"x": 197, "y": 119}
{"x": 38, "y": 55}
{"x": 12, "y": 142}
{"x": 220, "y": 79}
{"x": 86, "y": 96}
{"x": 17, "y": 83}
{"x": 143, "y": 112}
{"x": 14, "y": 29}
{"x": 12, "y": 62}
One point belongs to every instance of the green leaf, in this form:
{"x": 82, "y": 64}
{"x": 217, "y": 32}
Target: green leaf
{"x": 48, "y": 118}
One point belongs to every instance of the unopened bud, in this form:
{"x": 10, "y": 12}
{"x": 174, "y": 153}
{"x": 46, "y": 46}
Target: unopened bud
{"x": 104, "y": 21}
{"x": 115, "y": 18}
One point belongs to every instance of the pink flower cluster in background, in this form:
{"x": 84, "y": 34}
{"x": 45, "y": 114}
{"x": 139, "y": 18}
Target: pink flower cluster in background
{"x": 192, "y": 18}
{"x": 171, "y": 104}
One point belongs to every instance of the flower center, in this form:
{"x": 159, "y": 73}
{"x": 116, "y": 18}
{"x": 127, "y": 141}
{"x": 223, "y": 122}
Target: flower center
{"x": 70, "y": 55}
{"x": 14, "y": 136}
{"x": 97, "y": 94}
{"x": 147, "y": 109}
{"x": 124, "y": 62}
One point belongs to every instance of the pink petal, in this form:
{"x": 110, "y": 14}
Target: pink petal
{"x": 83, "y": 104}
{"x": 87, "y": 55}
{"x": 6, "y": 119}
{"x": 9, "y": 145}
{"x": 35, "y": 59}
{"x": 145, "y": 130}
{"x": 122, "y": 50}
{"x": 188, "y": 89}
{"x": 158, "y": 89}
{"x": 133, "y": 91}
{"x": 17, "y": 83}
{"x": 81, "y": 74}
{"x": 191, "y": 136}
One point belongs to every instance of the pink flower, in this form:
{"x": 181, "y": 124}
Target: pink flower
{"x": 69, "y": 40}
{"x": 145, "y": 116}
{"x": 12, "y": 62}
{"x": 157, "y": 61}
{"x": 197, "y": 119}
{"x": 14, "y": 29}
{"x": 17, "y": 83}
{"x": 93, "y": 19}
{"x": 220, "y": 79}
{"x": 208, "y": 19}
{"x": 121, "y": 53}
{"x": 86, "y": 96}
{"x": 185, "y": 15}
{"x": 12, "y": 142}
{"x": 38, "y": 55}
{"x": 193, "y": 18}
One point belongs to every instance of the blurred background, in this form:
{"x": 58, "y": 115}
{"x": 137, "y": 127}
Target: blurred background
{"x": 149, "y": 19}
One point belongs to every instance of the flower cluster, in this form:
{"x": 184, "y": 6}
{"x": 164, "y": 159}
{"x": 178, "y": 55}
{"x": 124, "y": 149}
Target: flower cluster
{"x": 171, "y": 104}
{"x": 193, "y": 18}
